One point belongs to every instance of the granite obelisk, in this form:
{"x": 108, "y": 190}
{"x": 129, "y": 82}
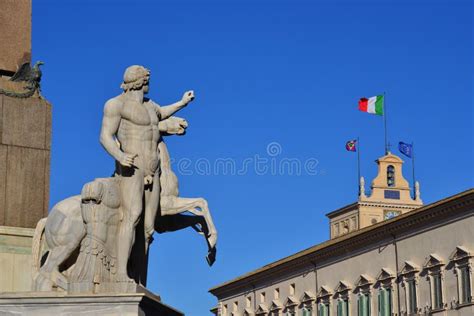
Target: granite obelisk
{"x": 25, "y": 143}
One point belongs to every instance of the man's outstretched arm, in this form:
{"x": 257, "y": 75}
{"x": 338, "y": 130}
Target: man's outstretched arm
{"x": 110, "y": 124}
{"x": 167, "y": 111}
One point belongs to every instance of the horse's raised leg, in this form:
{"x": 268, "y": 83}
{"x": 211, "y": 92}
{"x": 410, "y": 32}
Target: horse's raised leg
{"x": 204, "y": 210}
{"x": 196, "y": 206}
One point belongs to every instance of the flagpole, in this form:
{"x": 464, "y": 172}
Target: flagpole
{"x": 385, "y": 122}
{"x": 358, "y": 164}
{"x": 413, "y": 167}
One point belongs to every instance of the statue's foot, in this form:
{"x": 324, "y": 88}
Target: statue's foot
{"x": 211, "y": 256}
{"x": 212, "y": 240}
{"x": 43, "y": 283}
{"x": 60, "y": 280}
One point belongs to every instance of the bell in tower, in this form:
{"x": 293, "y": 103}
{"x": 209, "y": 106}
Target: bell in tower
{"x": 389, "y": 197}
{"x": 390, "y": 194}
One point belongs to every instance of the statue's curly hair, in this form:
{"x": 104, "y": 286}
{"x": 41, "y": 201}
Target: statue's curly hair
{"x": 135, "y": 77}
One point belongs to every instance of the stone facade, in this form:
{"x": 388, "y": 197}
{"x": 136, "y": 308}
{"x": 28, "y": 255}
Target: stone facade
{"x": 419, "y": 263}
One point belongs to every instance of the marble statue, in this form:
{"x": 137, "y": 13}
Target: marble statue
{"x": 85, "y": 244}
{"x": 417, "y": 191}
{"x": 362, "y": 186}
{"x": 133, "y": 121}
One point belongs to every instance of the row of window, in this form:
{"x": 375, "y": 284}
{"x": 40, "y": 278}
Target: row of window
{"x": 409, "y": 278}
{"x": 363, "y": 304}
{"x": 384, "y": 297}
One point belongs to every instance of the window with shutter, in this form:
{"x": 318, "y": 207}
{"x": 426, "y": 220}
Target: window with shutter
{"x": 363, "y": 305}
{"x": 412, "y": 303}
{"x": 437, "y": 291}
{"x": 339, "y": 308}
{"x": 465, "y": 284}
{"x": 324, "y": 309}
{"x": 385, "y": 302}
{"x": 306, "y": 311}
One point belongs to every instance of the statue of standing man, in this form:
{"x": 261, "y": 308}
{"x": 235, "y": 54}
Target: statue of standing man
{"x": 130, "y": 134}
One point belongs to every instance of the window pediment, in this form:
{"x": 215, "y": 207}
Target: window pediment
{"x": 261, "y": 310}
{"x": 459, "y": 254}
{"x": 307, "y": 297}
{"x": 324, "y": 291}
{"x": 291, "y": 301}
{"x": 342, "y": 287}
{"x": 433, "y": 261}
{"x": 363, "y": 280}
{"x": 248, "y": 312}
{"x": 408, "y": 268}
{"x": 385, "y": 274}
{"x": 276, "y": 305}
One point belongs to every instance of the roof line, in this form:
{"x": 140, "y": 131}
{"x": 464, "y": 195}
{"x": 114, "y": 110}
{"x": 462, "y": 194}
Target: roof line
{"x": 332, "y": 242}
{"x": 348, "y": 206}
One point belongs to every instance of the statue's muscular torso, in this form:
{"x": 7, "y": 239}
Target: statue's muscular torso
{"x": 138, "y": 132}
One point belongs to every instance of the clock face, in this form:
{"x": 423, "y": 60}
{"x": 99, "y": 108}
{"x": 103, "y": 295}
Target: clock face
{"x": 391, "y": 214}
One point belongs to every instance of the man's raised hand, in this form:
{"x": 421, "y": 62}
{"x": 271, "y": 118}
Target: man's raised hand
{"x": 188, "y": 96}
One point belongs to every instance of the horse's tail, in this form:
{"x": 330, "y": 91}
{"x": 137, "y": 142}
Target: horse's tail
{"x": 37, "y": 246}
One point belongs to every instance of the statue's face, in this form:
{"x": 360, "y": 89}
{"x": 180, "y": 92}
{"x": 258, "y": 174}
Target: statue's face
{"x": 146, "y": 85}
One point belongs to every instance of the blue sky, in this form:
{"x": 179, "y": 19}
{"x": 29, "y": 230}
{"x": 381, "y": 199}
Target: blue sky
{"x": 286, "y": 73}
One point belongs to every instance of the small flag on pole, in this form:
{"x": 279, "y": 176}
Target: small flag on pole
{"x": 351, "y": 145}
{"x": 406, "y": 149}
{"x": 373, "y": 105}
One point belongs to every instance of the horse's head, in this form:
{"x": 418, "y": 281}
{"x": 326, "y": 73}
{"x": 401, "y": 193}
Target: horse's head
{"x": 173, "y": 126}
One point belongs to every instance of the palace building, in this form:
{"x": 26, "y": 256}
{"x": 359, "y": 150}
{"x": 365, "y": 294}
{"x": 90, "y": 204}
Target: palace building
{"x": 388, "y": 255}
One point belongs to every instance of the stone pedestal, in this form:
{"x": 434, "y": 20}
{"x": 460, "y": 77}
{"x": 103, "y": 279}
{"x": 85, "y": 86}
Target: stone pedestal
{"x": 54, "y": 303}
{"x": 15, "y": 259}
{"x": 25, "y": 145}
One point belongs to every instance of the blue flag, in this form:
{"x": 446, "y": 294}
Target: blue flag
{"x": 406, "y": 149}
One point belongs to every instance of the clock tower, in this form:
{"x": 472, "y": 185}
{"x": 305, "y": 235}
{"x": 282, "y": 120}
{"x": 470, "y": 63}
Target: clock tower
{"x": 389, "y": 197}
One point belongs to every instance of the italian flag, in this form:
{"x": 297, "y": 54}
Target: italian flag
{"x": 373, "y": 105}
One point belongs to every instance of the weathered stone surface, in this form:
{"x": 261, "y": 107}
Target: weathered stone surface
{"x": 15, "y": 259}
{"x": 25, "y": 122}
{"x": 16, "y": 239}
{"x": 25, "y": 143}
{"x": 6, "y": 277}
{"x": 3, "y": 182}
{"x": 46, "y": 189}
{"x": 49, "y": 121}
{"x": 48, "y": 303}
{"x": 16, "y": 275}
{"x": 25, "y": 183}
{"x": 15, "y": 23}
{"x": 1, "y": 118}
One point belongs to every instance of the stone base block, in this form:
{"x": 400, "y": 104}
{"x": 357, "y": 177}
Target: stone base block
{"x": 58, "y": 304}
{"x": 15, "y": 259}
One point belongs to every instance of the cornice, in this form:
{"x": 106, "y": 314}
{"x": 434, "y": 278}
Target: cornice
{"x": 392, "y": 205}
